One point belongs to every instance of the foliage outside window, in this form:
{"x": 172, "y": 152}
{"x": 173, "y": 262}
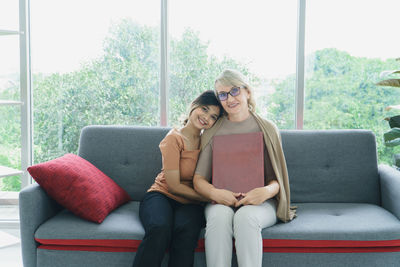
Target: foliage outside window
{"x": 122, "y": 87}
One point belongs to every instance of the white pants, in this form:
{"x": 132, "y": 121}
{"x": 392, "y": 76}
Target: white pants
{"x": 245, "y": 225}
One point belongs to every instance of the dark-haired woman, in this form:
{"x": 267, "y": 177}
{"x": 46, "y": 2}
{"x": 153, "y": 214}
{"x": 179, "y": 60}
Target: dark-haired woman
{"x": 171, "y": 210}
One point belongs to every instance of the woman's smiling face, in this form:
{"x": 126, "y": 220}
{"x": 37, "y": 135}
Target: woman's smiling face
{"x": 204, "y": 117}
{"x": 234, "y": 105}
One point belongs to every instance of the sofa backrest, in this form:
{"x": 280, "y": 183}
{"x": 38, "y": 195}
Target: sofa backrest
{"x": 127, "y": 154}
{"x": 332, "y": 165}
{"x": 323, "y": 166}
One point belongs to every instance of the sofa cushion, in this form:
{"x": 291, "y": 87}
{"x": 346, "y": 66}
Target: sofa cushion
{"x": 79, "y": 186}
{"x": 330, "y": 227}
{"x": 121, "y": 228}
{"x": 324, "y": 166}
{"x": 332, "y": 166}
{"x": 327, "y": 227}
{"x": 132, "y": 157}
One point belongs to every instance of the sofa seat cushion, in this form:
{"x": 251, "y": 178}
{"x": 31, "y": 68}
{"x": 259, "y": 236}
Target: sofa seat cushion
{"x": 121, "y": 228}
{"x": 335, "y": 227}
{"x": 319, "y": 227}
{"x": 121, "y": 231}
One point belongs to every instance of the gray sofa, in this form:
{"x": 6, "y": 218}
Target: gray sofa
{"x": 348, "y": 206}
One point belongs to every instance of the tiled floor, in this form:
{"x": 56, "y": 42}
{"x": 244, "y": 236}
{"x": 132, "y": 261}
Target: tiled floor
{"x": 10, "y": 256}
{"x": 10, "y": 244}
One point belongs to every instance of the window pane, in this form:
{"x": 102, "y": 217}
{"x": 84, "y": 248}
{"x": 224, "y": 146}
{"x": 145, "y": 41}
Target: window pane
{"x": 9, "y": 67}
{"x": 347, "y": 46}
{"x": 9, "y": 15}
{"x": 10, "y": 145}
{"x": 10, "y": 121}
{"x": 94, "y": 62}
{"x": 255, "y": 37}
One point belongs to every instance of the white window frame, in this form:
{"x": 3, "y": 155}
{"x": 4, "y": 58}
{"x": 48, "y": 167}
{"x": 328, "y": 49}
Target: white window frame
{"x": 26, "y": 91}
{"x": 26, "y": 79}
{"x": 300, "y": 50}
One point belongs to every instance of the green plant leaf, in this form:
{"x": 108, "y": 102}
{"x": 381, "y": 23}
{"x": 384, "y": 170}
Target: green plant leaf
{"x": 394, "y": 121}
{"x": 392, "y": 138}
{"x": 390, "y": 82}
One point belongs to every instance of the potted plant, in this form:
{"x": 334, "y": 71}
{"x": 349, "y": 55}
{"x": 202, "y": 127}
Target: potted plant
{"x": 392, "y": 137}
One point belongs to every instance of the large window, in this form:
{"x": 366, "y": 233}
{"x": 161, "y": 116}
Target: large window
{"x": 347, "y": 46}
{"x": 256, "y": 37}
{"x": 94, "y": 62}
{"x": 98, "y": 62}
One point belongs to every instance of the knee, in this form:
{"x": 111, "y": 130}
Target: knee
{"x": 245, "y": 218}
{"x": 219, "y": 216}
{"x": 195, "y": 219}
{"x": 189, "y": 230}
{"x": 159, "y": 231}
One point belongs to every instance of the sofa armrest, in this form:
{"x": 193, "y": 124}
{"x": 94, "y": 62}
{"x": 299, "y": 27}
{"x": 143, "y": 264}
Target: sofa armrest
{"x": 390, "y": 189}
{"x": 35, "y": 207}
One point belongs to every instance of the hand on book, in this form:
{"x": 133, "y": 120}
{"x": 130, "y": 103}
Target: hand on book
{"x": 253, "y": 197}
{"x": 225, "y": 197}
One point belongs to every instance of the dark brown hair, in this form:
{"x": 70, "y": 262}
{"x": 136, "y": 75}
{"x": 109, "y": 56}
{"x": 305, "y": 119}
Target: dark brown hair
{"x": 207, "y": 98}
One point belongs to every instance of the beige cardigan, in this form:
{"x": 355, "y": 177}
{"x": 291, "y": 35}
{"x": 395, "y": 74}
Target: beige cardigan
{"x": 273, "y": 143}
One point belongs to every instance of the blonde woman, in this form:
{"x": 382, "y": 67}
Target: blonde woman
{"x": 228, "y": 217}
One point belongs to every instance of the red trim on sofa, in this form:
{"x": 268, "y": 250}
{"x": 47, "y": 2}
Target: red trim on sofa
{"x": 126, "y": 243}
{"x": 98, "y": 243}
{"x": 269, "y": 245}
{"x": 87, "y": 248}
{"x": 96, "y": 248}
{"x": 272, "y": 250}
{"x": 200, "y": 245}
{"x": 331, "y": 250}
{"x": 293, "y": 243}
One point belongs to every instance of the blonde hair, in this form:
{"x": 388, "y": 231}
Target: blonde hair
{"x": 234, "y": 78}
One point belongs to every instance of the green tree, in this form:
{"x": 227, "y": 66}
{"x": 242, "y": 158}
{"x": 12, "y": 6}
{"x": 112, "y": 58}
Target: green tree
{"x": 340, "y": 93}
{"x": 10, "y": 136}
{"x": 193, "y": 71}
{"x": 120, "y": 87}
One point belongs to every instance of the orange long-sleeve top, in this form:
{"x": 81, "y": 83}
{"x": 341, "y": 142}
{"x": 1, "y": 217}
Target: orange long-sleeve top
{"x": 175, "y": 157}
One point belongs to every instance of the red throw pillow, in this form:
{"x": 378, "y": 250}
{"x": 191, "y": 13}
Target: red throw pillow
{"x": 79, "y": 186}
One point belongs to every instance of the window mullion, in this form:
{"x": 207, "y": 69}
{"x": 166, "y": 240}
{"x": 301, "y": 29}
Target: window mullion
{"x": 299, "y": 105}
{"x": 26, "y": 92}
{"x": 164, "y": 64}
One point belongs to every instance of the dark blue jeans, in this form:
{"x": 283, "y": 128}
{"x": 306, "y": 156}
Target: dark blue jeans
{"x": 169, "y": 225}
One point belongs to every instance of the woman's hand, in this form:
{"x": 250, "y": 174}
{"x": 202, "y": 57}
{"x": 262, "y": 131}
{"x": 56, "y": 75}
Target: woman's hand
{"x": 254, "y": 197}
{"x": 259, "y": 195}
{"x": 224, "y": 197}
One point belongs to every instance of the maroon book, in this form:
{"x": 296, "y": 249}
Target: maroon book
{"x": 238, "y": 162}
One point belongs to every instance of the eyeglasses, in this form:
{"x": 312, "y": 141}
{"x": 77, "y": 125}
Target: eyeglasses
{"x": 235, "y": 91}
